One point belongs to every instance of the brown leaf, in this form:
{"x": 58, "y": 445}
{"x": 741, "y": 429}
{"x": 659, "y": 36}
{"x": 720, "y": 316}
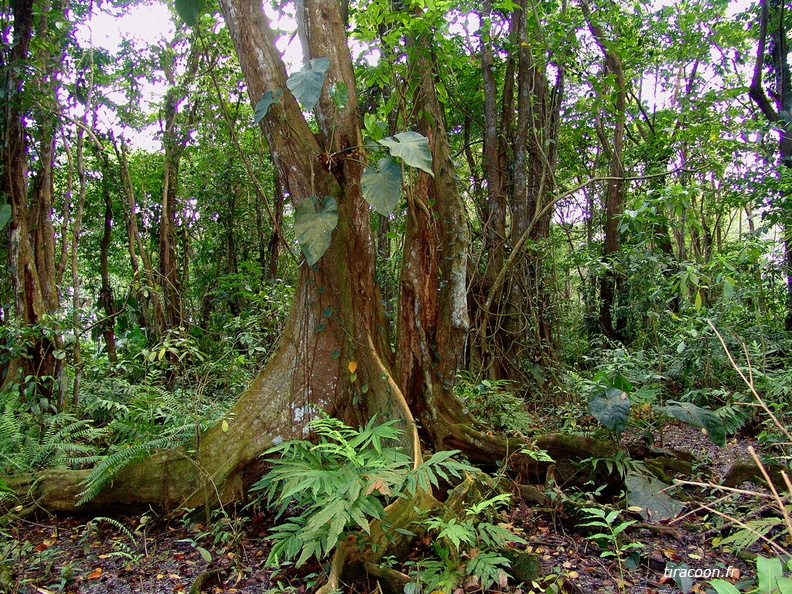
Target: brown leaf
{"x": 378, "y": 485}
{"x": 95, "y": 574}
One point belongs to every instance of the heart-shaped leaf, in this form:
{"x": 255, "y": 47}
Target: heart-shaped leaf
{"x": 314, "y": 221}
{"x": 189, "y": 10}
{"x": 5, "y": 215}
{"x": 306, "y": 84}
{"x": 698, "y": 417}
{"x": 412, "y": 148}
{"x": 266, "y": 101}
{"x": 647, "y": 493}
{"x": 382, "y": 185}
{"x": 611, "y": 407}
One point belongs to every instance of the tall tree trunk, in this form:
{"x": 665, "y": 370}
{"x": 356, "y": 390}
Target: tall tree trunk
{"x": 31, "y": 234}
{"x": 778, "y": 114}
{"x": 611, "y": 281}
{"x": 143, "y": 278}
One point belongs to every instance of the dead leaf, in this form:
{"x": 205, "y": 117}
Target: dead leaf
{"x": 352, "y": 366}
{"x": 380, "y": 486}
{"x": 95, "y": 574}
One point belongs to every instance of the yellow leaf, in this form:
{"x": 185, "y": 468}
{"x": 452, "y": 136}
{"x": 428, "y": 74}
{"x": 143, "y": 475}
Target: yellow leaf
{"x": 352, "y": 366}
{"x": 161, "y": 354}
{"x": 95, "y": 574}
{"x": 698, "y": 300}
{"x": 224, "y": 426}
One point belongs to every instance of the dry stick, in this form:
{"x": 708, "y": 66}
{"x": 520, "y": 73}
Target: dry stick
{"x": 722, "y": 488}
{"x": 745, "y": 526}
{"x": 779, "y": 500}
{"x": 749, "y": 383}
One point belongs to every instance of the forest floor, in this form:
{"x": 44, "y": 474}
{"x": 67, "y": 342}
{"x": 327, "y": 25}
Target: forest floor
{"x": 152, "y": 554}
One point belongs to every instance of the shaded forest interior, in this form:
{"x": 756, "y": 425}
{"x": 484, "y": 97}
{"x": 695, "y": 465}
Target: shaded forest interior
{"x": 483, "y": 258}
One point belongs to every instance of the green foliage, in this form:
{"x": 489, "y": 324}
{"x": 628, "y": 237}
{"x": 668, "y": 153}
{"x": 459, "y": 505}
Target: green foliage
{"x": 493, "y": 402}
{"x": 611, "y": 407}
{"x": 412, "y": 148}
{"x": 342, "y": 483}
{"x": 382, "y": 185}
{"x": 699, "y": 417}
{"x": 314, "y": 221}
{"x": 474, "y": 533}
{"x": 31, "y": 440}
{"x": 611, "y": 527}
{"x": 263, "y": 105}
{"x": 5, "y": 215}
{"x": 770, "y": 579}
{"x": 649, "y": 494}
{"x": 306, "y": 84}
{"x": 190, "y": 10}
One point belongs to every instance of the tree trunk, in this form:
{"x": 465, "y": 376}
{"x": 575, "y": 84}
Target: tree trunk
{"x": 611, "y": 282}
{"x": 336, "y": 319}
{"x": 778, "y": 114}
{"x": 31, "y": 234}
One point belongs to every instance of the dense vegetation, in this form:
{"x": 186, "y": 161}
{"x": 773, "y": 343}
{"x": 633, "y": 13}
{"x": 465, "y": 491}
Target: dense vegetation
{"x": 455, "y": 228}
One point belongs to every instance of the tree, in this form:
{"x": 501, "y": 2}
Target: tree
{"x": 772, "y": 56}
{"x": 334, "y": 353}
{"x": 32, "y": 98}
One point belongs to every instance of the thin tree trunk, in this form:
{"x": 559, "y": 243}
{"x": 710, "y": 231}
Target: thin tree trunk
{"x": 612, "y": 281}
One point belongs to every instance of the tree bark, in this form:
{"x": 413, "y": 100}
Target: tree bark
{"x": 780, "y": 70}
{"x": 31, "y": 234}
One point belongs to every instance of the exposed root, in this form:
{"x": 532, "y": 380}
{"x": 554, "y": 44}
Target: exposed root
{"x": 340, "y": 556}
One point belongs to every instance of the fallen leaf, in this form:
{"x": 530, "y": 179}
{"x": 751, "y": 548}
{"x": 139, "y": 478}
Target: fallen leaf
{"x": 352, "y": 366}
{"x": 380, "y": 486}
{"x": 95, "y": 574}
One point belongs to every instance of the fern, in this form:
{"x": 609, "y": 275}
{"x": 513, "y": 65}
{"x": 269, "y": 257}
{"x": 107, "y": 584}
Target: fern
{"x": 104, "y": 472}
{"x": 733, "y": 417}
{"x": 344, "y": 481}
{"x": 754, "y": 530}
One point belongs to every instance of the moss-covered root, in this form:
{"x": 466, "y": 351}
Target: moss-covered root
{"x": 747, "y": 470}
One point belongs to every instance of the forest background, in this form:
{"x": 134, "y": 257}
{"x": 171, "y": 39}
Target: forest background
{"x": 453, "y": 216}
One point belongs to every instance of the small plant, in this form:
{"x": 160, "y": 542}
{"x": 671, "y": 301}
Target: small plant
{"x": 621, "y": 463}
{"x": 608, "y": 538}
{"x": 474, "y": 536}
{"x": 341, "y": 484}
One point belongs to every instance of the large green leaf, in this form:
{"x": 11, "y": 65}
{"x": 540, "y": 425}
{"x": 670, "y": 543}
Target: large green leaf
{"x": 5, "y": 215}
{"x": 647, "y": 493}
{"x": 412, "y": 148}
{"x": 306, "y": 84}
{"x": 190, "y": 10}
{"x": 611, "y": 408}
{"x": 697, "y": 416}
{"x": 266, "y": 101}
{"x": 382, "y": 185}
{"x": 314, "y": 221}
{"x": 768, "y": 572}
